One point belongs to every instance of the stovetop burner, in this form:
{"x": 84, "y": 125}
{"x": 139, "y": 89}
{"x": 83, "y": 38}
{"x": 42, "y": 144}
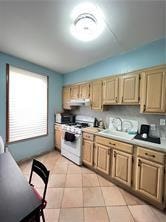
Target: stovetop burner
{"x": 78, "y": 125}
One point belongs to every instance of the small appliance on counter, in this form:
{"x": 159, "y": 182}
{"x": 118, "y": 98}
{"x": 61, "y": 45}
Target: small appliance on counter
{"x": 144, "y": 135}
{"x": 64, "y": 118}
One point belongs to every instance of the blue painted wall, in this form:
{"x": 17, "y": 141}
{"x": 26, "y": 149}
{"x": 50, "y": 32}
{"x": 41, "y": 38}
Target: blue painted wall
{"x": 143, "y": 57}
{"x": 31, "y": 147}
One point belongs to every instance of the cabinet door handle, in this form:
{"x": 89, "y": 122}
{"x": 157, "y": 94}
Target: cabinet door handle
{"x": 112, "y": 144}
{"x": 144, "y": 108}
{"x": 150, "y": 155}
{"x": 122, "y": 98}
{"x": 139, "y": 162}
{"x": 116, "y": 99}
{"x": 115, "y": 153}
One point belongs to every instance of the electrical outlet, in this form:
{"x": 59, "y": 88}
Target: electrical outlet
{"x": 162, "y": 122}
{"x": 153, "y": 126}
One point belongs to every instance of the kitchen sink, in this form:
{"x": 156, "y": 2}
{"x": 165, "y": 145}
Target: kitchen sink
{"x": 117, "y": 134}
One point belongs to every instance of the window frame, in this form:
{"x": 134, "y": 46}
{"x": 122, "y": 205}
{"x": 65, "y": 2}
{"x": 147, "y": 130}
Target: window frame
{"x": 7, "y": 106}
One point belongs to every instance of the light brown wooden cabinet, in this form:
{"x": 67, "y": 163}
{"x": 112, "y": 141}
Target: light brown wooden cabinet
{"x": 96, "y": 95}
{"x": 149, "y": 179}
{"x": 66, "y": 98}
{"x": 58, "y": 136}
{"x": 84, "y": 91}
{"x": 75, "y": 92}
{"x": 88, "y": 152}
{"x": 102, "y": 158}
{"x": 110, "y": 91}
{"x": 129, "y": 89}
{"x": 125, "y": 163}
{"x": 153, "y": 91}
{"x": 122, "y": 167}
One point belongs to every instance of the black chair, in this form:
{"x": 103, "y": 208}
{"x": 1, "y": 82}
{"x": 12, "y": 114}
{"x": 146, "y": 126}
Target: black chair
{"x": 41, "y": 171}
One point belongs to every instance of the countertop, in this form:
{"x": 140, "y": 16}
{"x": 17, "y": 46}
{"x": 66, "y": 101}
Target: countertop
{"x": 158, "y": 147}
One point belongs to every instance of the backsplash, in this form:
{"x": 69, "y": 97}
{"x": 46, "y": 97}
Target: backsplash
{"x": 126, "y": 112}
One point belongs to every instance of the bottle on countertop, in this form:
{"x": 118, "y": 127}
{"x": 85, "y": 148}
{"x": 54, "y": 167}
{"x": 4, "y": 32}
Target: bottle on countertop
{"x": 96, "y": 123}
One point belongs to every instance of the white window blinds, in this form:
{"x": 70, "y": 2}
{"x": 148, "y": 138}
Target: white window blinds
{"x": 27, "y": 104}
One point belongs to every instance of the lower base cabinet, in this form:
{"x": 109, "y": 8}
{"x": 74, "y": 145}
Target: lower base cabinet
{"x": 58, "y": 136}
{"x": 102, "y": 158}
{"x": 150, "y": 179}
{"x": 125, "y": 163}
{"x": 122, "y": 167}
{"x": 88, "y": 152}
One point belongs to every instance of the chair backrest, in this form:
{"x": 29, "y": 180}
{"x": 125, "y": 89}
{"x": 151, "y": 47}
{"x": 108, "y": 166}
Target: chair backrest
{"x": 2, "y": 146}
{"x": 41, "y": 171}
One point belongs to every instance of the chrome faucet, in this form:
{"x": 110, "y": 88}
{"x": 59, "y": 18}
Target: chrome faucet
{"x": 121, "y": 123}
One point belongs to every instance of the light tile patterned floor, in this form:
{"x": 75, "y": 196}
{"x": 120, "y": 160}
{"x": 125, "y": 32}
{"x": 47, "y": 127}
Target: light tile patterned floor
{"x": 76, "y": 194}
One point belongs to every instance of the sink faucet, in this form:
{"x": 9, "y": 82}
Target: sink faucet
{"x": 121, "y": 122}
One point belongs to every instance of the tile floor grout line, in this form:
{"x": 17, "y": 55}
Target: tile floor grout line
{"x": 131, "y": 213}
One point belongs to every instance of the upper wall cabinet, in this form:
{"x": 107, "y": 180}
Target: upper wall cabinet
{"x": 66, "y": 97}
{"x": 96, "y": 95}
{"x": 74, "y": 93}
{"x": 84, "y": 91}
{"x": 129, "y": 89}
{"x": 153, "y": 91}
{"x": 110, "y": 91}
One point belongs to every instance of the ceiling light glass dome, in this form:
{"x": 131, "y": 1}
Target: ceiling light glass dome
{"x": 87, "y": 26}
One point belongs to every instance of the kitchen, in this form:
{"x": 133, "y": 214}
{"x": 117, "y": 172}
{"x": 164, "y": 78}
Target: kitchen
{"x": 111, "y": 89}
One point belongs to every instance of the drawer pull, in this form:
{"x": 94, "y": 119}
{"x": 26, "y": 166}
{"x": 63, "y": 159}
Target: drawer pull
{"x": 113, "y": 144}
{"x": 150, "y": 155}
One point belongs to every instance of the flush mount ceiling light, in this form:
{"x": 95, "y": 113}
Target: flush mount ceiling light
{"x": 87, "y": 22}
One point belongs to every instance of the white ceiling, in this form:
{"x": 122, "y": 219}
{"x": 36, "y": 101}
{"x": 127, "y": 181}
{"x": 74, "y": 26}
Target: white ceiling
{"x": 38, "y": 31}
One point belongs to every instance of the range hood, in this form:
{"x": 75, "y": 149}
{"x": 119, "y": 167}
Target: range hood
{"x": 79, "y": 102}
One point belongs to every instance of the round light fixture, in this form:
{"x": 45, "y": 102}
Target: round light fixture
{"x": 86, "y": 26}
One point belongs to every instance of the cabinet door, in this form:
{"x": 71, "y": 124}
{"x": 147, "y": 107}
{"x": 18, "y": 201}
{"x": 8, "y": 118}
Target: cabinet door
{"x": 96, "y": 95}
{"x": 103, "y": 158}
{"x": 122, "y": 166}
{"x": 153, "y": 90}
{"x": 58, "y": 136}
{"x": 129, "y": 89}
{"x": 75, "y": 92}
{"x": 85, "y": 91}
{"x": 110, "y": 91}
{"x": 88, "y": 152}
{"x": 149, "y": 179}
{"x": 66, "y": 98}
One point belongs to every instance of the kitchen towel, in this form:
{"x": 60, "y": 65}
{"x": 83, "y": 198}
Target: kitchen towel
{"x": 69, "y": 137}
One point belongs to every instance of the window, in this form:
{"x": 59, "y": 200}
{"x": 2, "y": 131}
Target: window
{"x": 26, "y": 104}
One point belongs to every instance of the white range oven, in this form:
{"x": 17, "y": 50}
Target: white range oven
{"x": 71, "y": 144}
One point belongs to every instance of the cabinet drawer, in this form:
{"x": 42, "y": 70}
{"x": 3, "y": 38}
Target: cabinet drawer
{"x": 105, "y": 141}
{"x": 88, "y": 136}
{"x": 151, "y": 155}
{"x": 125, "y": 147}
{"x": 115, "y": 144}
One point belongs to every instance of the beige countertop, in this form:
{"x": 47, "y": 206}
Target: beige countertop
{"x": 159, "y": 147}
{"x": 92, "y": 130}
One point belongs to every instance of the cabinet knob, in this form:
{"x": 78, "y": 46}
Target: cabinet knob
{"x": 150, "y": 155}
{"x": 139, "y": 162}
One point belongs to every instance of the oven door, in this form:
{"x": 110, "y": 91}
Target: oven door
{"x": 72, "y": 147}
